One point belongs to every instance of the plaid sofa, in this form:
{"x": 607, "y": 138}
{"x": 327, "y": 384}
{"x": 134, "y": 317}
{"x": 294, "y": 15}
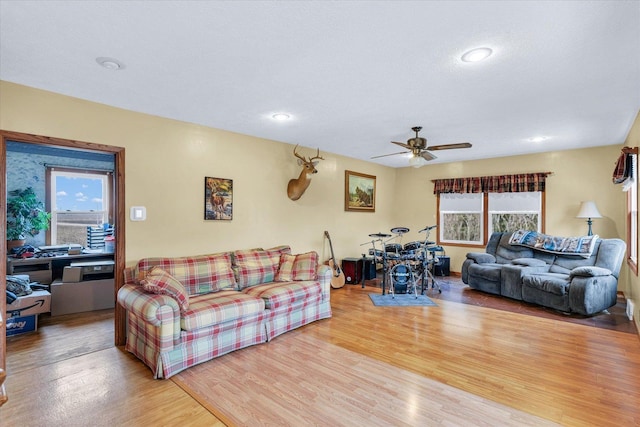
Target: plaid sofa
{"x": 185, "y": 311}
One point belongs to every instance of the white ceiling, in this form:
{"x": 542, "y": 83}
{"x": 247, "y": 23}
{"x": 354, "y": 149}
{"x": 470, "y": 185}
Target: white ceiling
{"x": 354, "y": 75}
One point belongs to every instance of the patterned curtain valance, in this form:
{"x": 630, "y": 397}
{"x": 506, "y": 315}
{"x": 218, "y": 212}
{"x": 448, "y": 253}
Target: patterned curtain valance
{"x": 623, "y": 171}
{"x": 492, "y": 184}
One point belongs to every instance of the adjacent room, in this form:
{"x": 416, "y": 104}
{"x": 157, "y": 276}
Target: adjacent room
{"x": 319, "y": 213}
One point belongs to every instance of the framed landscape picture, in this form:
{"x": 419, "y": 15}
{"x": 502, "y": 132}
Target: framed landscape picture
{"x": 218, "y": 198}
{"x": 359, "y": 192}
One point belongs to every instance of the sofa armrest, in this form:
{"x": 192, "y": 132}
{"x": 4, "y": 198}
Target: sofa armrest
{"x": 590, "y": 271}
{"x": 529, "y": 262}
{"x": 481, "y": 257}
{"x": 160, "y": 315}
{"x": 324, "y": 277}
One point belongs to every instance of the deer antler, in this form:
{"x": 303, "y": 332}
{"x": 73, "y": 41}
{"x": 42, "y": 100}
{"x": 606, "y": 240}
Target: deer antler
{"x": 317, "y": 156}
{"x": 304, "y": 159}
{"x": 298, "y": 155}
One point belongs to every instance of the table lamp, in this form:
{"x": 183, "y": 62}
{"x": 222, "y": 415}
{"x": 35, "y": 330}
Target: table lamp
{"x": 589, "y": 210}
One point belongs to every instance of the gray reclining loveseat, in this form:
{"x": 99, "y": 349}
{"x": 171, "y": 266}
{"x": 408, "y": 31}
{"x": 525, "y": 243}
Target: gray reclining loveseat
{"x": 578, "y": 275}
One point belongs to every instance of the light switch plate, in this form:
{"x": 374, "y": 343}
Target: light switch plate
{"x": 138, "y": 213}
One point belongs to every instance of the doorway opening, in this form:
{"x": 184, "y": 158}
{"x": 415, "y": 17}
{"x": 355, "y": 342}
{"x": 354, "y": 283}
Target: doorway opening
{"x": 116, "y": 209}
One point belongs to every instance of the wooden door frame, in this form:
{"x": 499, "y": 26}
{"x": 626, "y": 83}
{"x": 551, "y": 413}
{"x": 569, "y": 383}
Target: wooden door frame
{"x": 119, "y": 215}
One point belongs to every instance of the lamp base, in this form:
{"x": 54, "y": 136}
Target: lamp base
{"x": 589, "y": 233}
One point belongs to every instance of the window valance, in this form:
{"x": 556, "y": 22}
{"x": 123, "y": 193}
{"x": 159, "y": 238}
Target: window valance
{"x": 492, "y": 184}
{"x": 623, "y": 171}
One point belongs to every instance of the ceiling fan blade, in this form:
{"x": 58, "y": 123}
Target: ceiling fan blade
{"x": 402, "y": 144}
{"x": 450, "y": 146}
{"x": 427, "y": 155}
{"x": 392, "y": 154}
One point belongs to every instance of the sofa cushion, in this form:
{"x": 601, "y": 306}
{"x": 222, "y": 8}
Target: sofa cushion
{"x": 256, "y": 267}
{"x": 279, "y": 294}
{"x": 506, "y": 252}
{"x": 298, "y": 267}
{"x": 224, "y": 306}
{"x": 158, "y": 281}
{"x": 199, "y": 274}
{"x": 553, "y": 283}
{"x": 488, "y": 271}
{"x": 282, "y": 249}
{"x": 564, "y": 264}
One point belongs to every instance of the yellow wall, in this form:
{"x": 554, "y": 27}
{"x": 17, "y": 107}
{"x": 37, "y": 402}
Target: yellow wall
{"x": 167, "y": 160}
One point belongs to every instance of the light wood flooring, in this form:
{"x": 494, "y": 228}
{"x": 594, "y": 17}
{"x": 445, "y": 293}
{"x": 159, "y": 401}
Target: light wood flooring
{"x": 68, "y": 372}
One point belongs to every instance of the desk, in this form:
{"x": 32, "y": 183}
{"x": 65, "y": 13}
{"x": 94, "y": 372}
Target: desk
{"x": 45, "y": 269}
{"x": 74, "y": 297}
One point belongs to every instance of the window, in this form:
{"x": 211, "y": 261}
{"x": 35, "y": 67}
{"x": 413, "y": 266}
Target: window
{"x": 77, "y": 199}
{"x": 461, "y": 218}
{"x": 515, "y": 211}
{"x": 632, "y": 216}
{"x": 471, "y": 208}
{"x": 466, "y": 218}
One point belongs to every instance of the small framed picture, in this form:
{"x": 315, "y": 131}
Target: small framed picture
{"x": 218, "y": 198}
{"x": 359, "y": 192}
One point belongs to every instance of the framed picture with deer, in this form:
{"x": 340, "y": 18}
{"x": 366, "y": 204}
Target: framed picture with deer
{"x": 359, "y": 192}
{"x": 218, "y": 198}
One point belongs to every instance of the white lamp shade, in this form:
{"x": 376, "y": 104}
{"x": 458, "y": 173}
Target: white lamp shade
{"x": 417, "y": 161}
{"x": 588, "y": 210}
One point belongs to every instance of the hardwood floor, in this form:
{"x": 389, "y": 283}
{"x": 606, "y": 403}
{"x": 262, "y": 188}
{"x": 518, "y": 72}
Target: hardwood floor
{"x": 69, "y": 373}
{"x": 568, "y": 373}
{"x": 615, "y": 318}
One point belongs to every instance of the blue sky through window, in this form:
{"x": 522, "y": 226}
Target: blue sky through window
{"x": 79, "y": 194}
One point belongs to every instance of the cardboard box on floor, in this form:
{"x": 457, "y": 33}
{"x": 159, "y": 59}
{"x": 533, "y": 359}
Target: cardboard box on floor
{"x": 34, "y": 303}
{"x": 20, "y": 325}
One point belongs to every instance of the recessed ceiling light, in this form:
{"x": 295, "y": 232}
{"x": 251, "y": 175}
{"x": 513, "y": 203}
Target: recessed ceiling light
{"x": 110, "y": 63}
{"x": 476, "y": 55}
{"x": 538, "y": 138}
{"x": 281, "y": 117}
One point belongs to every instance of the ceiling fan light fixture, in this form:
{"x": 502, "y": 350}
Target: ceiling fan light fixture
{"x": 476, "y": 55}
{"x": 417, "y": 161}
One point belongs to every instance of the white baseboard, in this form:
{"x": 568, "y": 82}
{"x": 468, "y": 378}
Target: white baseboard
{"x": 630, "y": 308}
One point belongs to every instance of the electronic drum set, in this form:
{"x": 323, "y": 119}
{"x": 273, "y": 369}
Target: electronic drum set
{"x": 404, "y": 266}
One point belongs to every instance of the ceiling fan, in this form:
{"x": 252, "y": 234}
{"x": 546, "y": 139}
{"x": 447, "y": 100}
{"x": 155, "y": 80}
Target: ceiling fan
{"x": 421, "y": 152}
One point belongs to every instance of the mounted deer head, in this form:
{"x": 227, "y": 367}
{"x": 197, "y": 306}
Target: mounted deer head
{"x": 297, "y": 187}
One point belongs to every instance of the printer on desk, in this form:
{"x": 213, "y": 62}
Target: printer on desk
{"x": 91, "y": 270}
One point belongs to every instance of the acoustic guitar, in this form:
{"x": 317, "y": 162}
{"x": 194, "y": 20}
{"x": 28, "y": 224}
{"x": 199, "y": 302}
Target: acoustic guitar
{"x": 337, "y": 278}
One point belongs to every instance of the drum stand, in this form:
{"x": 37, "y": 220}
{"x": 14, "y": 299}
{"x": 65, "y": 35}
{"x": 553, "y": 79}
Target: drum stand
{"x": 427, "y": 265}
{"x": 375, "y": 259}
{"x": 426, "y": 272}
